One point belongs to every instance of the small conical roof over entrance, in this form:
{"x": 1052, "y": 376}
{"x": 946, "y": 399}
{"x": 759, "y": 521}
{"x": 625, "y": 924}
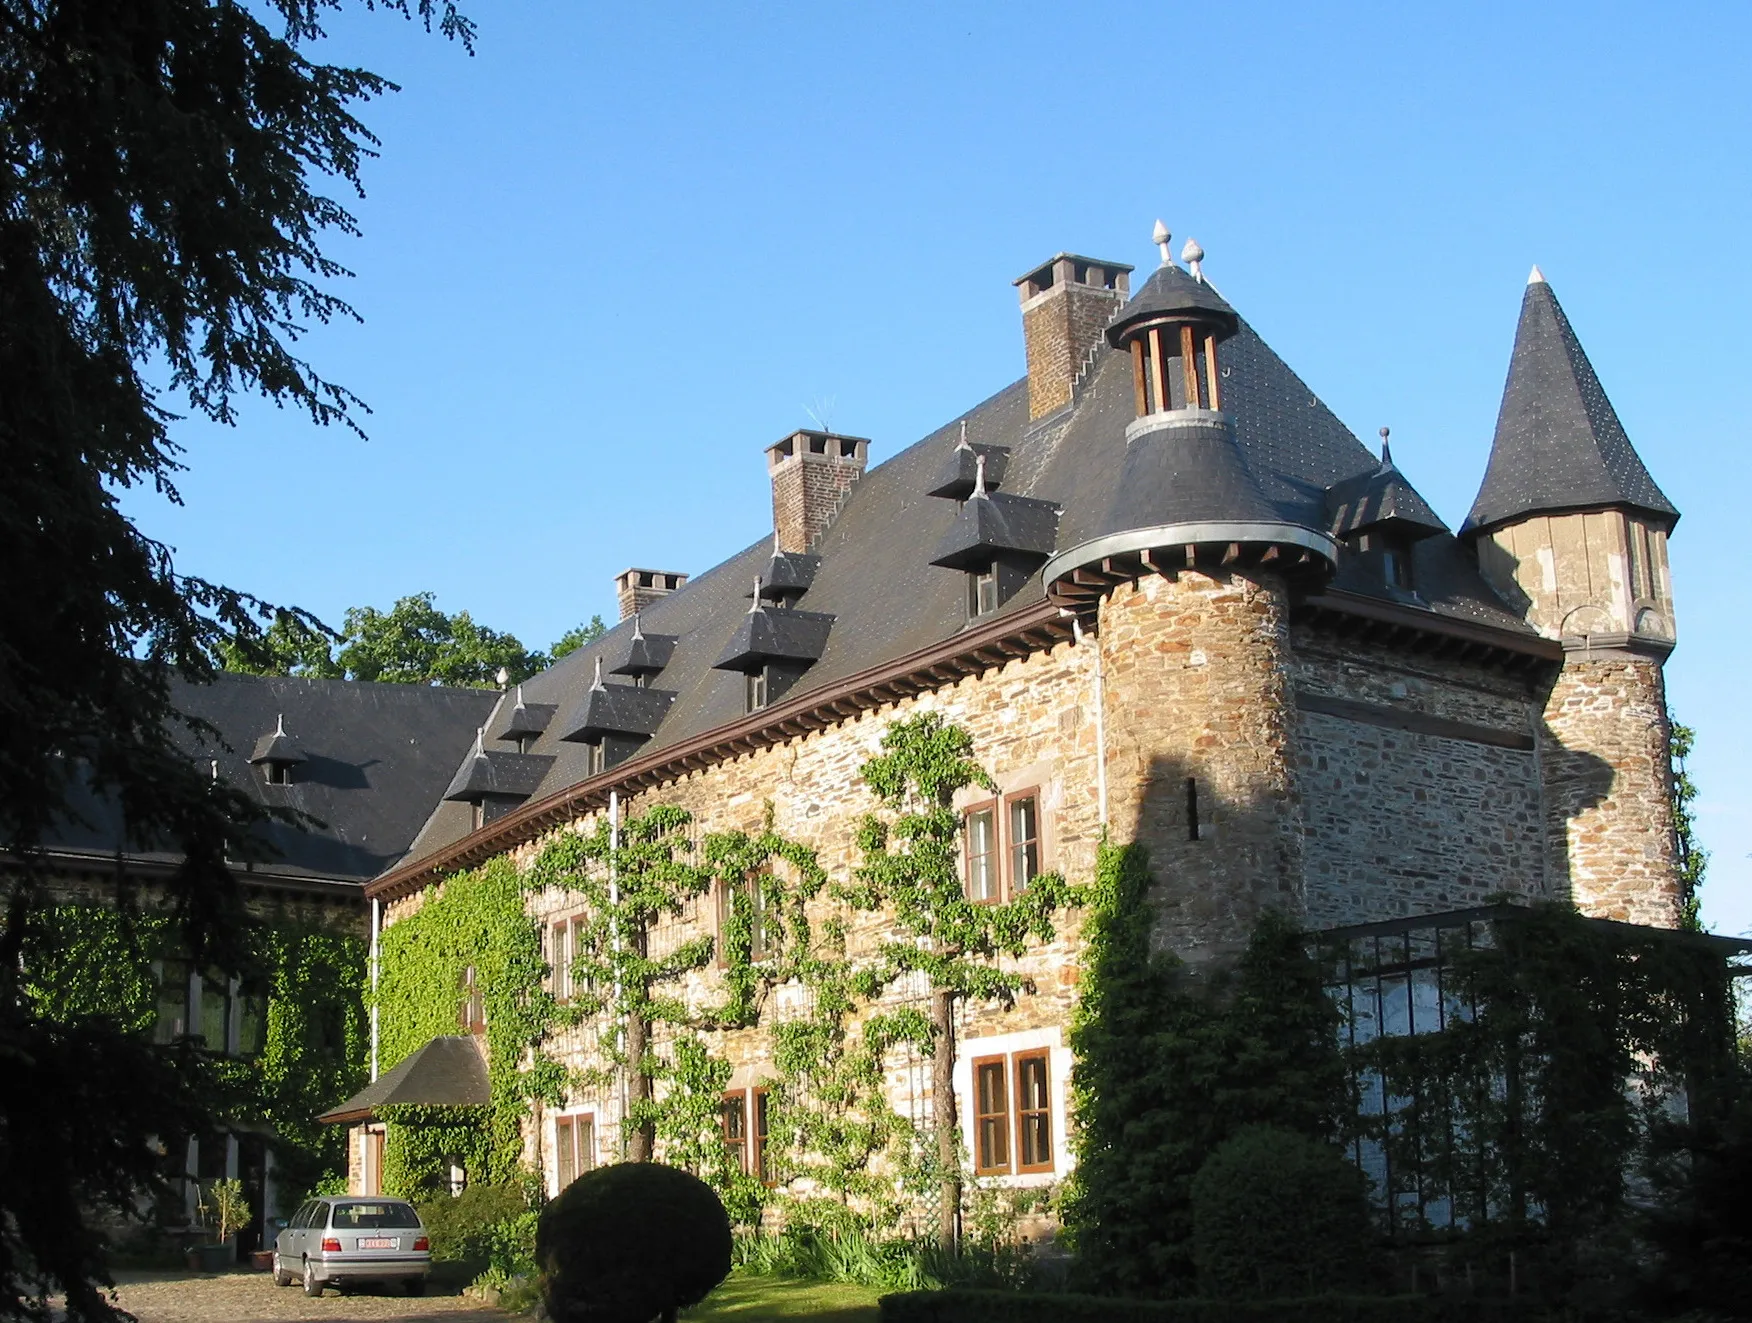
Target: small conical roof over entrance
{"x": 1559, "y": 444}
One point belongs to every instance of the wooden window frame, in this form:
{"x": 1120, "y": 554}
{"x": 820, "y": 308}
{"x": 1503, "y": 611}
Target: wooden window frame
{"x": 471, "y": 1005}
{"x": 759, "y": 1133}
{"x": 1005, "y": 887}
{"x": 1044, "y": 1056}
{"x": 1011, "y": 889}
{"x": 575, "y": 1125}
{"x": 758, "y": 951}
{"x": 980, "y": 1166}
{"x": 735, "y": 1103}
{"x": 995, "y": 855}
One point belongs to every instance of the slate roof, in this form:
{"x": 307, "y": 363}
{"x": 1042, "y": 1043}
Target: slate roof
{"x": 1384, "y": 497}
{"x": 449, "y": 1071}
{"x": 1169, "y": 291}
{"x": 495, "y": 774}
{"x": 1558, "y": 444}
{"x": 875, "y": 580}
{"x": 376, "y": 758}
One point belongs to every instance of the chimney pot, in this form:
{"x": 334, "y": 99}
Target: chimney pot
{"x": 1066, "y": 304}
{"x": 636, "y": 589}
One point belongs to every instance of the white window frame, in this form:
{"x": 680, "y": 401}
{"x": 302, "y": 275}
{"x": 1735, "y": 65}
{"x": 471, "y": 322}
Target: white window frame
{"x": 1059, "y": 1061}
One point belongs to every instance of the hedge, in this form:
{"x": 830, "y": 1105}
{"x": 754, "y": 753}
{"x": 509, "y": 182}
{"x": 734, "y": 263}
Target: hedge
{"x": 968, "y": 1306}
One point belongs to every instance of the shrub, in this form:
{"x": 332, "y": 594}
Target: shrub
{"x": 463, "y": 1229}
{"x": 627, "y": 1243}
{"x": 1275, "y": 1214}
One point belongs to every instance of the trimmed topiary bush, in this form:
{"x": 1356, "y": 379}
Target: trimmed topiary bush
{"x": 630, "y": 1243}
{"x": 1275, "y": 1214}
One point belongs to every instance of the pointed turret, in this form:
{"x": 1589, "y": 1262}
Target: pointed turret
{"x": 1559, "y": 445}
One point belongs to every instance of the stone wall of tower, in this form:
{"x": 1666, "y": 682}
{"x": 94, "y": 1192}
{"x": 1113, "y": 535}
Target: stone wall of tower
{"x": 1601, "y": 572}
{"x": 1199, "y": 708}
{"x": 1420, "y": 781}
{"x": 1608, "y": 781}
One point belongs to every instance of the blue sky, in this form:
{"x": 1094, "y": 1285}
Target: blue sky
{"x": 613, "y": 256}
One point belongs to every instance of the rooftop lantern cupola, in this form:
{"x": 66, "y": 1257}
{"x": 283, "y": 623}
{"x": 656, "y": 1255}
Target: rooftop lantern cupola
{"x": 277, "y": 753}
{"x": 1172, "y": 330}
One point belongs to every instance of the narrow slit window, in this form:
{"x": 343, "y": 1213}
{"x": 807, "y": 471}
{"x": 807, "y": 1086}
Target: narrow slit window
{"x": 982, "y": 854}
{"x": 991, "y": 1116}
{"x": 1023, "y": 812}
{"x": 1191, "y": 808}
{"x": 1033, "y": 1113}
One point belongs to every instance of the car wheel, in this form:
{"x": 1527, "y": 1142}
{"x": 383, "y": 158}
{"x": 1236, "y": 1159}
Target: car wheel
{"x": 312, "y": 1283}
{"x": 281, "y": 1276}
{"x": 415, "y": 1286}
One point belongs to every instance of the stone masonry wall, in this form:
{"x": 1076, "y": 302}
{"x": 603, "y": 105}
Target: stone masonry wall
{"x": 1197, "y": 690}
{"x": 807, "y": 491}
{"x": 1403, "y": 822}
{"x": 1608, "y": 778}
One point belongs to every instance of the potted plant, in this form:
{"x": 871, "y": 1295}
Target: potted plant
{"x": 225, "y": 1209}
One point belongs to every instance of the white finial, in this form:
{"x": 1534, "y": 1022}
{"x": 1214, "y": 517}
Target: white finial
{"x": 1192, "y": 255}
{"x": 979, "y": 475}
{"x": 215, "y": 769}
{"x": 778, "y": 545}
{"x": 755, "y": 605}
{"x": 280, "y": 724}
{"x": 503, "y": 677}
{"x": 638, "y": 633}
{"x": 480, "y": 734}
{"x": 597, "y": 682}
{"x": 962, "y": 444}
{"x": 1386, "y": 451}
{"x": 1536, "y": 276}
{"x": 1160, "y": 237}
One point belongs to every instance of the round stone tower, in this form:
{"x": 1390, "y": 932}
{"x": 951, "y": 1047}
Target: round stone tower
{"x": 1571, "y": 529}
{"x": 1187, "y": 584}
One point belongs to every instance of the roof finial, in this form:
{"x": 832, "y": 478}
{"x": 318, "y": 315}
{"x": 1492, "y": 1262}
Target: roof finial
{"x": 1160, "y": 237}
{"x": 778, "y": 543}
{"x": 756, "y": 604}
{"x": 1536, "y": 276}
{"x": 280, "y": 724}
{"x": 519, "y": 702}
{"x": 503, "y": 677}
{"x": 1192, "y": 255}
{"x": 962, "y": 444}
{"x": 1386, "y": 451}
{"x": 480, "y": 734}
{"x": 979, "y": 488}
{"x": 215, "y": 762}
{"x": 597, "y": 682}
{"x": 638, "y": 633}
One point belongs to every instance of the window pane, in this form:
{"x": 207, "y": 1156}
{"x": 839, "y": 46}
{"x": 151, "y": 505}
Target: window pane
{"x": 173, "y": 1002}
{"x": 988, "y": 592}
{"x": 584, "y": 1146}
{"x": 982, "y": 851}
{"x": 761, "y": 1166}
{"x": 991, "y": 1108}
{"x": 757, "y": 919}
{"x": 1024, "y": 842}
{"x": 1034, "y": 1112}
{"x": 562, "y": 959}
{"x": 735, "y": 1121}
{"x": 252, "y": 1022}
{"x": 213, "y": 1003}
{"x": 564, "y": 1163}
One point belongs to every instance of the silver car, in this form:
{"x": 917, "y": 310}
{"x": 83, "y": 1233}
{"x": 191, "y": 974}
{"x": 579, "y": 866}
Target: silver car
{"x": 353, "y": 1238}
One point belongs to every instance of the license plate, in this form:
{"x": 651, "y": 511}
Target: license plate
{"x": 378, "y": 1242}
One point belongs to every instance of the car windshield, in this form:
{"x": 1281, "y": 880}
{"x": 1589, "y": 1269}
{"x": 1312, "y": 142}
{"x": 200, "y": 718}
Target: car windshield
{"x": 369, "y": 1217}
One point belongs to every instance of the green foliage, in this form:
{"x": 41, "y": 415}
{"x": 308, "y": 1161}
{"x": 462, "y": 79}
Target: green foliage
{"x": 1693, "y": 858}
{"x": 474, "y": 920}
{"x": 627, "y": 1243}
{"x": 1277, "y": 1214}
{"x": 577, "y": 637}
{"x": 292, "y": 645}
{"x": 851, "y": 1253}
{"x": 1170, "y": 1063}
{"x": 1533, "y": 1113}
{"x": 230, "y": 1209}
{"x": 461, "y": 1228}
{"x": 974, "y": 1306}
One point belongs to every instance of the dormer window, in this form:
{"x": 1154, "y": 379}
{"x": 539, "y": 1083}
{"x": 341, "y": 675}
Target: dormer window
{"x": 277, "y": 753}
{"x": 598, "y": 757}
{"x": 277, "y": 774}
{"x": 982, "y": 591}
{"x": 1396, "y": 566}
{"x": 756, "y": 692}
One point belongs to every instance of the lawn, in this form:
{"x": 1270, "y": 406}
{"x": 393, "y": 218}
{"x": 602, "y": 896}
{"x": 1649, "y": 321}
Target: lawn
{"x": 758, "y": 1299}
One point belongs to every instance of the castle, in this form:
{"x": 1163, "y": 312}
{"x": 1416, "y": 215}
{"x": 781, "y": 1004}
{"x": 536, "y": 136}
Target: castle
{"x": 1173, "y": 600}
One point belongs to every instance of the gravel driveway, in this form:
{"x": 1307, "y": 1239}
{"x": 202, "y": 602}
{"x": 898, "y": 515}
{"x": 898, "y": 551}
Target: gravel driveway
{"x": 252, "y": 1297}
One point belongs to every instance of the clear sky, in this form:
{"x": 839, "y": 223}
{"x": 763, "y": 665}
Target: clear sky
{"x": 624, "y": 248}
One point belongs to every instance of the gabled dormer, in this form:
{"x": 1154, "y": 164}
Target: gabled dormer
{"x": 997, "y": 540}
{"x": 493, "y": 781}
{"x": 646, "y": 656}
{"x": 523, "y": 723}
{"x": 614, "y": 720}
{"x": 1379, "y": 517}
{"x": 278, "y": 754}
{"x": 772, "y": 648}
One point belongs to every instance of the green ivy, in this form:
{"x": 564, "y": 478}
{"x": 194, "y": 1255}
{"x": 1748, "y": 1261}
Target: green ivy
{"x": 95, "y": 960}
{"x": 474, "y": 919}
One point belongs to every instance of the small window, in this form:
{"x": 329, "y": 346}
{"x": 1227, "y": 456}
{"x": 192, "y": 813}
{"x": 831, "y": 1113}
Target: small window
{"x": 560, "y": 958}
{"x": 1023, "y": 825}
{"x": 1396, "y": 566}
{"x": 277, "y": 774}
{"x": 734, "y": 1114}
{"x": 762, "y": 1129}
{"x": 574, "y": 1147}
{"x": 991, "y": 1116}
{"x": 252, "y": 1019}
{"x": 756, "y": 695}
{"x": 471, "y": 1011}
{"x": 1192, "y": 826}
{"x": 1033, "y": 1113}
{"x": 598, "y": 757}
{"x": 173, "y": 1002}
{"x": 982, "y": 854}
{"x": 759, "y": 933}
{"x": 215, "y": 1005}
{"x": 982, "y": 591}
{"x": 478, "y": 813}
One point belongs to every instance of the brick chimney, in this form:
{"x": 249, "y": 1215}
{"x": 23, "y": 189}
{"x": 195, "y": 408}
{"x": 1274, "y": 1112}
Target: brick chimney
{"x": 812, "y": 472}
{"x": 1066, "y": 303}
{"x": 637, "y": 589}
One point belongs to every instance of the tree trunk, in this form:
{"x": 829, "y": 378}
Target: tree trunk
{"x": 943, "y": 1116}
{"x": 641, "y": 1138}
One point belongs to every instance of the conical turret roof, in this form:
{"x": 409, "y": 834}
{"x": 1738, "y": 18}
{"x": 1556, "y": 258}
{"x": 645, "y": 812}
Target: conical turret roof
{"x": 1559, "y": 444}
{"x": 1171, "y": 292}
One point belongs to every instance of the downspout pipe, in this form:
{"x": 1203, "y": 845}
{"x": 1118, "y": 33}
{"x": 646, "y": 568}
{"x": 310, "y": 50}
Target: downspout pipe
{"x": 1100, "y": 714}
{"x": 376, "y": 928}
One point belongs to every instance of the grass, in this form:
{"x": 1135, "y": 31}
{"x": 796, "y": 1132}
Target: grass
{"x": 747, "y": 1299}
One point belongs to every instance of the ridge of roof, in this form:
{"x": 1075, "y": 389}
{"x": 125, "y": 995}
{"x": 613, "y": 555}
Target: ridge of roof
{"x": 1559, "y": 444}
